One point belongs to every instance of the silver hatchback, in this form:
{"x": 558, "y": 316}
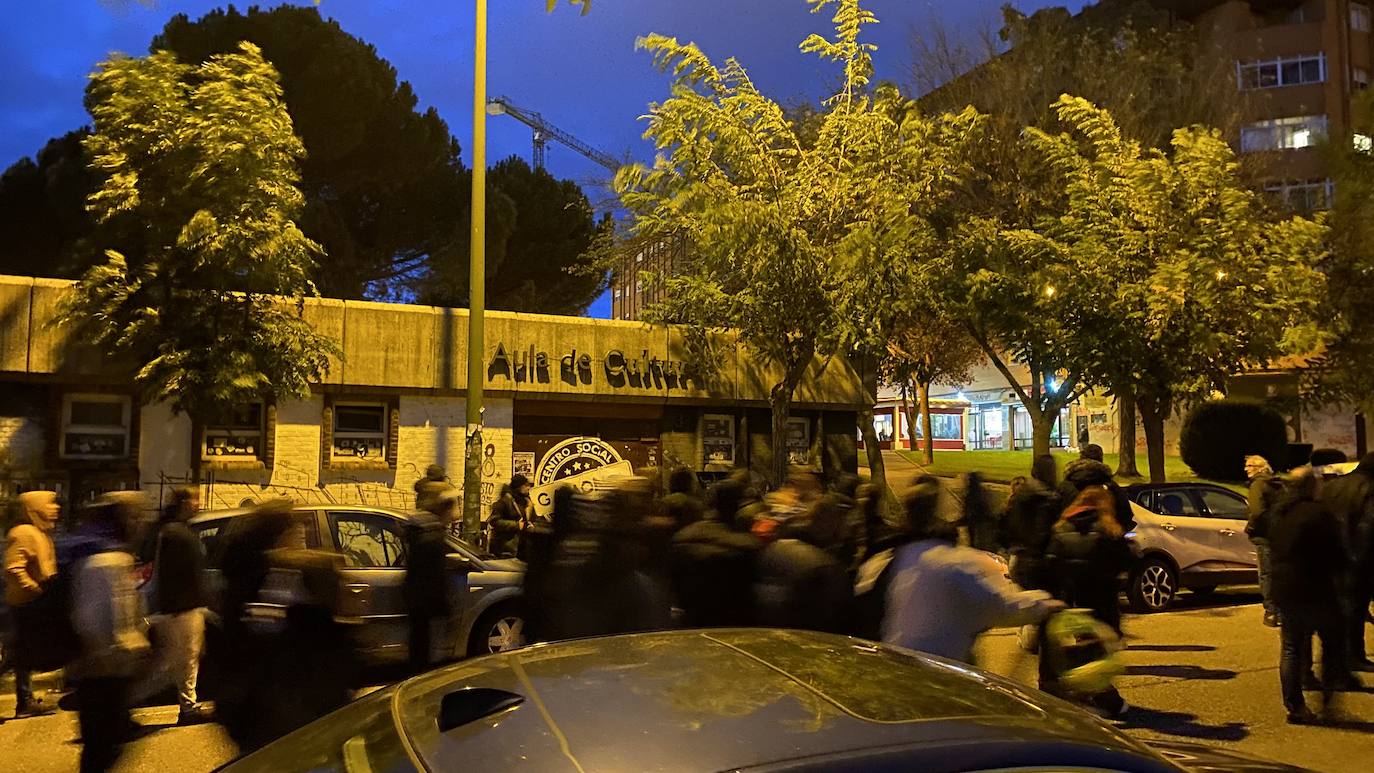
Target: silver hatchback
{"x": 485, "y": 591}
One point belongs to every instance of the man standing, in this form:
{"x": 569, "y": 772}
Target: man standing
{"x": 1264, "y": 494}
{"x": 30, "y": 562}
{"x": 1351, "y": 498}
{"x": 510, "y": 515}
{"x": 1308, "y": 566}
{"x": 432, "y": 485}
{"x": 426, "y": 586}
{"x": 180, "y": 597}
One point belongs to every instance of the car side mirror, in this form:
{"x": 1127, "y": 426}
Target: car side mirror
{"x": 461, "y": 563}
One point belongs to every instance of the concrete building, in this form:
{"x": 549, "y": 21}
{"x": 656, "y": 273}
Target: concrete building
{"x": 636, "y": 280}
{"x": 568, "y": 400}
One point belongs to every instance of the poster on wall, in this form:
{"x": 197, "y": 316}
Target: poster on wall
{"x": 522, "y": 463}
{"x": 798, "y": 441}
{"x": 718, "y": 439}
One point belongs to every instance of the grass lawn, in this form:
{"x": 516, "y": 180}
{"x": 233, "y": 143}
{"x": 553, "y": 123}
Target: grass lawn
{"x": 1002, "y": 466}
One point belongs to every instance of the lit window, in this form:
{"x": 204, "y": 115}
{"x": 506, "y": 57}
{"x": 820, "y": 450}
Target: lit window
{"x": 1284, "y": 71}
{"x": 360, "y": 431}
{"x": 1362, "y": 143}
{"x": 237, "y": 436}
{"x": 1302, "y": 195}
{"x": 1359, "y": 17}
{"x": 1360, "y": 77}
{"x": 1283, "y": 133}
{"x": 95, "y": 426}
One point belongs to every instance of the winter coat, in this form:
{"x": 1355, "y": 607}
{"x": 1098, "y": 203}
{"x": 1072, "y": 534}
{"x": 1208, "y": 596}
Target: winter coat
{"x": 429, "y": 489}
{"x": 1082, "y": 473}
{"x": 1307, "y": 557}
{"x": 1265, "y": 492}
{"x": 1027, "y": 526}
{"x": 508, "y": 515}
{"x": 801, "y": 586}
{"x": 426, "y": 583}
{"x": 942, "y": 596}
{"x": 1086, "y": 562}
{"x": 683, "y": 509}
{"x": 1351, "y": 498}
{"x": 179, "y": 566}
{"x": 30, "y": 561}
{"x": 106, "y": 616}
{"x": 712, "y": 571}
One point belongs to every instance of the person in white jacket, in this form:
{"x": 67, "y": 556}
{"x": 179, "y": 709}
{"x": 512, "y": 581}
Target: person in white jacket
{"x": 109, "y": 622}
{"x": 942, "y": 596}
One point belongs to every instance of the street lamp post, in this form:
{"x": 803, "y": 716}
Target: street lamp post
{"x": 477, "y": 263}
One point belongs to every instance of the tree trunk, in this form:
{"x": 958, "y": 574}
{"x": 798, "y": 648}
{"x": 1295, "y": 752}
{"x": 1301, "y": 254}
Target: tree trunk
{"x": 1125, "y": 436}
{"x": 877, "y": 470}
{"x": 1152, "y": 415}
{"x": 780, "y": 401}
{"x": 913, "y": 412}
{"x": 1042, "y": 426}
{"x": 926, "y": 428}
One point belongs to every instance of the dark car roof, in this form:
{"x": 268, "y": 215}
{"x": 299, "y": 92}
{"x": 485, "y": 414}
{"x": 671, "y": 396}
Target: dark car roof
{"x": 748, "y": 698}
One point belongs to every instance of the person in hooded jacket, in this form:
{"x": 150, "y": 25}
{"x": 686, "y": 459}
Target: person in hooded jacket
{"x": 1089, "y": 470}
{"x": 942, "y": 595}
{"x": 711, "y": 563}
{"x": 1351, "y": 498}
{"x": 432, "y": 485}
{"x": 510, "y": 515}
{"x": 1309, "y": 565}
{"x": 30, "y": 563}
{"x": 1032, "y": 511}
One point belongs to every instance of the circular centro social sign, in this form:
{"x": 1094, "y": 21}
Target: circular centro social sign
{"x": 574, "y": 456}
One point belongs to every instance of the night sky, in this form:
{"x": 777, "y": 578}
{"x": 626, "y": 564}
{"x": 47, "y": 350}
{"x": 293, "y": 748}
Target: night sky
{"x": 581, "y": 72}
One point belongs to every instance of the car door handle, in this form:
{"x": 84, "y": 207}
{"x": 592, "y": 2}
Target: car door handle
{"x": 358, "y": 588}
{"x": 1167, "y": 526}
{"x": 1228, "y": 532}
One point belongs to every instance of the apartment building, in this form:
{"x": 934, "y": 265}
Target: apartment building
{"x": 636, "y": 280}
{"x": 1299, "y": 63}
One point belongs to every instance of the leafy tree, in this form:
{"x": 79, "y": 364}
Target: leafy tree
{"x": 1152, "y": 70}
{"x": 1343, "y": 370}
{"x": 539, "y": 230}
{"x": 199, "y": 174}
{"x": 931, "y": 349}
{"x": 763, "y": 211}
{"x": 43, "y": 207}
{"x": 1180, "y": 280}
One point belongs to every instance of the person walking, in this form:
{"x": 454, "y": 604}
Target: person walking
{"x": 432, "y": 485}
{"x": 510, "y": 515}
{"x": 179, "y": 598}
{"x": 979, "y": 518}
{"x": 1089, "y": 470}
{"x": 683, "y": 503}
{"x": 1087, "y": 555}
{"x": 107, "y": 619}
{"x": 799, "y": 583}
{"x": 942, "y": 596}
{"x": 1032, "y": 512}
{"x": 30, "y": 563}
{"x": 1308, "y": 565}
{"x": 1351, "y": 499}
{"x": 426, "y": 585}
{"x": 712, "y": 563}
{"x": 1265, "y": 490}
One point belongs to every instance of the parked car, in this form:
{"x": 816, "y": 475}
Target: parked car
{"x": 1187, "y": 535}
{"x": 731, "y": 699}
{"x": 485, "y": 590}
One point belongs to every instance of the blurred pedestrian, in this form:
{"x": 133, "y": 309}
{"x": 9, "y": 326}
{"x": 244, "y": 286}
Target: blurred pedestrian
{"x": 683, "y": 503}
{"x": 978, "y": 517}
{"x": 432, "y": 485}
{"x": 178, "y": 598}
{"x": 874, "y": 575}
{"x": 942, "y": 596}
{"x": 110, "y": 624}
{"x": 426, "y": 586}
{"x": 1308, "y": 566}
{"x": 540, "y": 594}
{"x": 1032, "y": 511}
{"x": 800, "y": 583}
{"x": 30, "y": 564}
{"x": 712, "y": 563}
{"x": 510, "y": 515}
{"x": 1089, "y": 470}
{"x": 1265, "y": 491}
{"x": 797, "y": 495}
{"x": 1351, "y": 499}
{"x": 1087, "y": 555}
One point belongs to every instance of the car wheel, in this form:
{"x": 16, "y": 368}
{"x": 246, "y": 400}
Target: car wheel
{"x": 498, "y": 630}
{"x": 1154, "y": 585}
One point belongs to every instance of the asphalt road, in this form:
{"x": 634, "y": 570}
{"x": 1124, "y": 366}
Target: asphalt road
{"x": 1207, "y": 672}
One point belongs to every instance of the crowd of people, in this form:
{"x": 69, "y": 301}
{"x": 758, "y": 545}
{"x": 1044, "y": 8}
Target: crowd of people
{"x": 632, "y": 555}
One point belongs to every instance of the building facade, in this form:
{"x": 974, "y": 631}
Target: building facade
{"x": 637, "y": 281}
{"x": 568, "y": 401}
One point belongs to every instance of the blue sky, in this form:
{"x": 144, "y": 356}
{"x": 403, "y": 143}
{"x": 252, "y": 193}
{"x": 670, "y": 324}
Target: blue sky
{"x": 581, "y": 72}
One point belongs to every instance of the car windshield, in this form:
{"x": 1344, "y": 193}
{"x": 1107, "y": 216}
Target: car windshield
{"x": 360, "y": 738}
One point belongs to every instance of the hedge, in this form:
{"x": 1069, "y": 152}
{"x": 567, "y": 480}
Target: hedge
{"x": 1218, "y": 435}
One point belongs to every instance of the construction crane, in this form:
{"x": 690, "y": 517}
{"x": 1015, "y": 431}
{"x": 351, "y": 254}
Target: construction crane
{"x": 545, "y": 131}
